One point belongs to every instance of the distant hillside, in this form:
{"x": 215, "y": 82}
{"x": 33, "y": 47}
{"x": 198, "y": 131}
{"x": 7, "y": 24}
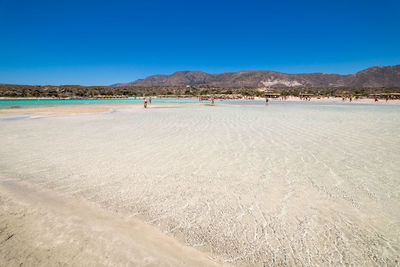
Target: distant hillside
{"x": 376, "y": 76}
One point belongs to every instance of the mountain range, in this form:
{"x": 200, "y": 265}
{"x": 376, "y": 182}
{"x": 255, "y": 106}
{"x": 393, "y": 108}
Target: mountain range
{"x": 376, "y": 76}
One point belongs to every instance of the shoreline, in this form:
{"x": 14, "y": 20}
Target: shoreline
{"x": 55, "y": 110}
{"x": 106, "y": 107}
{"x": 337, "y": 100}
{"x": 52, "y": 110}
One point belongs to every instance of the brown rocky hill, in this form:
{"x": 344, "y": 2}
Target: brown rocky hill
{"x": 376, "y": 76}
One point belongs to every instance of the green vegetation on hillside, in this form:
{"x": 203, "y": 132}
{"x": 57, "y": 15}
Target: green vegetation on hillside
{"x": 77, "y": 91}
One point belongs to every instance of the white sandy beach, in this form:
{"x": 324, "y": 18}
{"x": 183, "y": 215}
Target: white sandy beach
{"x": 339, "y": 100}
{"x": 283, "y": 184}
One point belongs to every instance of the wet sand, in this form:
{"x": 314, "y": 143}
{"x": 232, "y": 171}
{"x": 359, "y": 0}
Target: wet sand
{"x": 45, "y": 111}
{"x": 277, "y": 185}
{"x": 39, "y": 227}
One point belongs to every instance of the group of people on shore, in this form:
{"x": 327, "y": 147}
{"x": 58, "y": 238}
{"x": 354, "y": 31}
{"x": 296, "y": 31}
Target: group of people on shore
{"x": 212, "y": 98}
{"x": 304, "y": 98}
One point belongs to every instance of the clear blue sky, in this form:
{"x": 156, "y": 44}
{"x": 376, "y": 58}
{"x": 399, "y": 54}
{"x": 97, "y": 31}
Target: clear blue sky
{"x": 102, "y": 42}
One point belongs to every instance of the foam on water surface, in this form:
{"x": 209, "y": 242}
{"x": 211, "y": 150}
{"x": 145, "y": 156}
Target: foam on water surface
{"x": 280, "y": 184}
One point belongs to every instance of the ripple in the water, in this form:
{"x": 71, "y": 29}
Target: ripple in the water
{"x": 284, "y": 184}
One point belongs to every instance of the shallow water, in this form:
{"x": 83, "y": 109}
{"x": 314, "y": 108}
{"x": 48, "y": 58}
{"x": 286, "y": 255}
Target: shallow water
{"x": 311, "y": 184}
{"x": 24, "y": 102}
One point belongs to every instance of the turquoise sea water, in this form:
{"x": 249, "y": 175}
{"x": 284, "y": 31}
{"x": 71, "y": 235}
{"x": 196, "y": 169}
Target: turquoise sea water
{"x": 4, "y": 103}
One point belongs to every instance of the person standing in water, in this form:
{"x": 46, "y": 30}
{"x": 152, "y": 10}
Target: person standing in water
{"x": 212, "y": 100}
{"x": 150, "y": 100}
{"x": 145, "y": 103}
{"x": 266, "y": 100}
